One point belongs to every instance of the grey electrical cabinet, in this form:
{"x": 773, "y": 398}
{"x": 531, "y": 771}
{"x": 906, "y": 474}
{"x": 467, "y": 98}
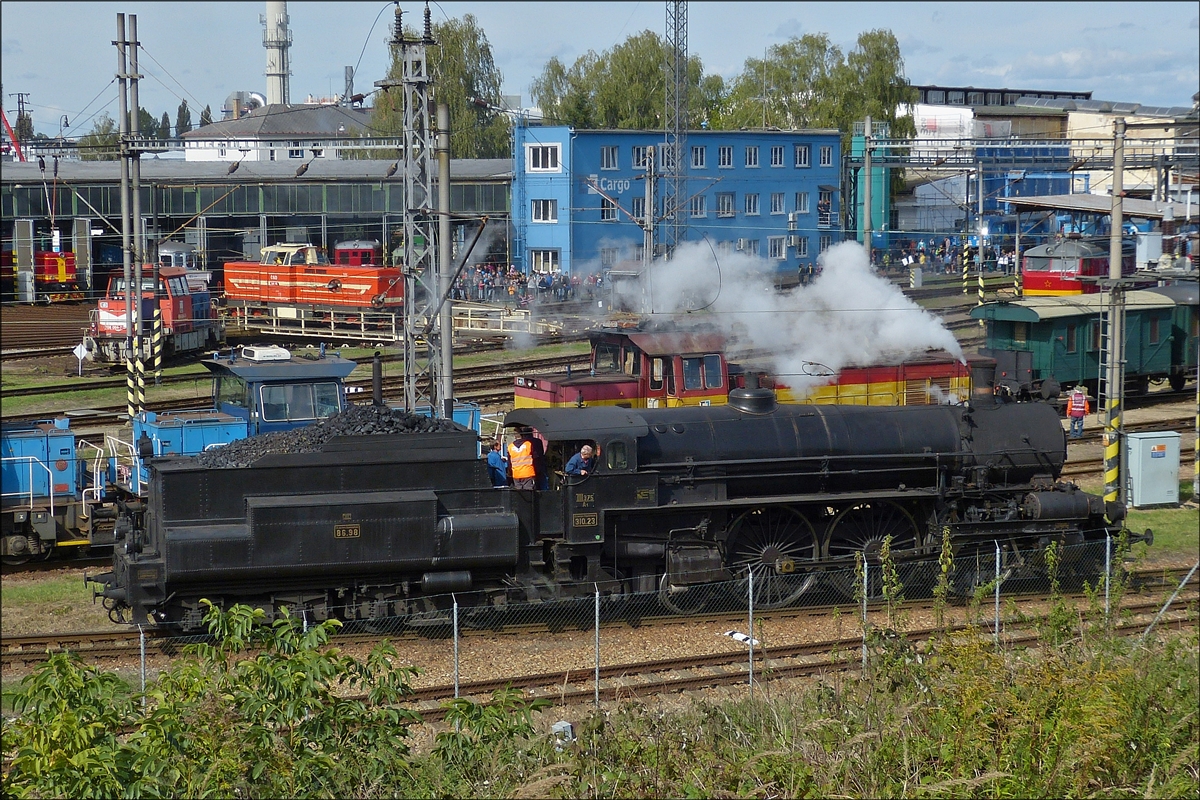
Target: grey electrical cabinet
{"x": 1153, "y": 460}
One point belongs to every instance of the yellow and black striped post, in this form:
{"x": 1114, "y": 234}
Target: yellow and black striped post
{"x": 1017, "y": 282}
{"x": 1112, "y": 449}
{"x": 156, "y": 344}
{"x": 981, "y": 286}
{"x": 966, "y": 269}
{"x": 130, "y": 380}
{"x": 140, "y": 368}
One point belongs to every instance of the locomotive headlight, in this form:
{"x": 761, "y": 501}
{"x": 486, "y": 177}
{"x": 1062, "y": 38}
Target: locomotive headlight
{"x": 520, "y": 381}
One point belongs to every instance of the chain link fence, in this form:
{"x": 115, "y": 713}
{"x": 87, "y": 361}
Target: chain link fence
{"x": 766, "y": 609}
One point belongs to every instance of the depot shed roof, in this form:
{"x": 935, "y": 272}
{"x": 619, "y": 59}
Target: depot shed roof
{"x": 1099, "y": 204}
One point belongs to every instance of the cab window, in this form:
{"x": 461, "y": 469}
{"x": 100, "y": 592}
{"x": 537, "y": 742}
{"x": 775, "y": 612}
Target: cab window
{"x": 656, "y": 374}
{"x": 231, "y": 390}
{"x": 692, "y": 375}
{"x": 671, "y": 377}
{"x": 1020, "y": 332}
{"x": 633, "y": 361}
{"x": 292, "y": 402}
{"x": 1037, "y": 264}
{"x": 1070, "y": 340}
{"x": 712, "y": 372}
{"x": 618, "y": 458}
{"x": 608, "y": 358}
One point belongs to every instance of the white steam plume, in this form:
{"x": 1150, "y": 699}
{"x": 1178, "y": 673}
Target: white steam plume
{"x": 848, "y": 316}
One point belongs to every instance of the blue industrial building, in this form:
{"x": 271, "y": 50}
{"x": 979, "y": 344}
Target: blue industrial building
{"x": 576, "y": 194}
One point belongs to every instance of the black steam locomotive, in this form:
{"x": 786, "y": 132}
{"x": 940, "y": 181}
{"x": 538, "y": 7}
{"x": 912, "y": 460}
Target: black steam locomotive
{"x": 384, "y": 525}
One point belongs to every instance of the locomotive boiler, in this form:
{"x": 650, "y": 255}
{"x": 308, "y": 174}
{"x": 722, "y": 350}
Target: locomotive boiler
{"x": 373, "y": 526}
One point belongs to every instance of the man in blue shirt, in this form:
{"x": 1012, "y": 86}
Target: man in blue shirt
{"x": 497, "y": 466}
{"x": 582, "y": 463}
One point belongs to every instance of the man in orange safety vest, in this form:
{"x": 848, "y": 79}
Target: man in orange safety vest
{"x": 521, "y": 460}
{"x": 1078, "y": 407}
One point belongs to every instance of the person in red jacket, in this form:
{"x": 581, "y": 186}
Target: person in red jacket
{"x": 1078, "y": 407}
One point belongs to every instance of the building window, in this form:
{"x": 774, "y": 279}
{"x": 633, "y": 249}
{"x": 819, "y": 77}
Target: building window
{"x": 699, "y": 155}
{"x": 541, "y": 158}
{"x": 699, "y": 206}
{"x": 975, "y": 98}
{"x": 666, "y": 157}
{"x": 993, "y": 98}
{"x": 777, "y": 202}
{"x": 937, "y": 97}
{"x": 751, "y": 246}
{"x": 824, "y": 208}
{"x": 802, "y": 247}
{"x": 543, "y": 260}
{"x": 725, "y": 204}
{"x": 296, "y": 151}
{"x": 639, "y": 157}
{"x": 955, "y": 99}
{"x": 545, "y": 211}
{"x": 803, "y": 155}
{"x": 826, "y": 156}
{"x": 221, "y": 152}
{"x": 752, "y": 204}
{"x": 724, "y": 248}
{"x": 608, "y": 157}
{"x": 637, "y": 207}
{"x": 826, "y": 240}
{"x": 317, "y": 150}
{"x": 725, "y": 156}
{"x": 801, "y": 202}
{"x": 752, "y": 156}
{"x": 776, "y": 248}
{"x": 777, "y": 155}
{"x": 608, "y": 256}
{"x": 608, "y": 210}
{"x": 272, "y": 155}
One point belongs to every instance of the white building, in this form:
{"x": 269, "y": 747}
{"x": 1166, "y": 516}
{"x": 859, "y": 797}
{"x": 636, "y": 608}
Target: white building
{"x": 278, "y": 133}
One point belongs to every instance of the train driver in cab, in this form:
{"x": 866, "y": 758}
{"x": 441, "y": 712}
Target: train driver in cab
{"x": 582, "y": 463}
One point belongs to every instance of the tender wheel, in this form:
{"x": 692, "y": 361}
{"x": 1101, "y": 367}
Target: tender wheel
{"x": 777, "y": 545}
{"x": 862, "y": 529}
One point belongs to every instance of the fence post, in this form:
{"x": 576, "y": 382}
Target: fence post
{"x": 597, "y": 680}
{"x": 1171, "y": 599}
{"x": 454, "y": 597}
{"x": 142, "y": 654}
{"x": 304, "y": 618}
{"x": 750, "y": 605}
{"x": 996, "y": 635}
{"x": 866, "y": 583}
{"x": 1107, "y": 574}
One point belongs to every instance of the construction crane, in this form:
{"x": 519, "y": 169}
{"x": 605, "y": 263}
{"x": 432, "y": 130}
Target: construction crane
{"x": 12, "y": 136}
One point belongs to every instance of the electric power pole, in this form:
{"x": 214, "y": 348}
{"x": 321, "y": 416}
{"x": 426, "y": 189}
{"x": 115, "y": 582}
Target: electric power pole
{"x": 1114, "y": 488}
{"x": 673, "y": 166}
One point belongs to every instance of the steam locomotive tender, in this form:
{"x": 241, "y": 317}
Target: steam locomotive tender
{"x": 377, "y": 526}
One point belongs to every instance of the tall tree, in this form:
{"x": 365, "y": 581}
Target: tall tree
{"x": 463, "y": 68}
{"x": 206, "y": 116}
{"x": 807, "y": 82}
{"x": 164, "y": 127}
{"x": 147, "y": 124}
{"x": 101, "y": 142}
{"x": 623, "y": 87}
{"x": 183, "y": 119}
{"x": 24, "y": 128}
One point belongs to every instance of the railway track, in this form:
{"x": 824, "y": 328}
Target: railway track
{"x": 124, "y": 642}
{"x": 34, "y": 331}
{"x": 493, "y": 382}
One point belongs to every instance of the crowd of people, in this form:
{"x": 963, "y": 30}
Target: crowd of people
{"x": 497, "y": 283}
{"x": 946, "y": 257}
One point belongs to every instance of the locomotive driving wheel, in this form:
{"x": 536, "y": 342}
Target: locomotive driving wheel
{"x": 862, "y": 528}
{"x": 776, "y": 545}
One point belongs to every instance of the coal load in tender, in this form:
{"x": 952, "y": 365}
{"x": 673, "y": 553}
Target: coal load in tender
{"x": 365, "y": 420}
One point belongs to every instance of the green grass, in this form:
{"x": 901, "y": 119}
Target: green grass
{"x": 48, "y": 590}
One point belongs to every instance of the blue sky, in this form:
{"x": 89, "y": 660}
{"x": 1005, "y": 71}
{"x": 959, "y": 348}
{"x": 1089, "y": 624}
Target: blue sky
{"x": 61, "y": 53}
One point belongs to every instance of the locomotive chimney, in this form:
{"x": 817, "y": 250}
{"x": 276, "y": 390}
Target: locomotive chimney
{"x": 377, "y": 380}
